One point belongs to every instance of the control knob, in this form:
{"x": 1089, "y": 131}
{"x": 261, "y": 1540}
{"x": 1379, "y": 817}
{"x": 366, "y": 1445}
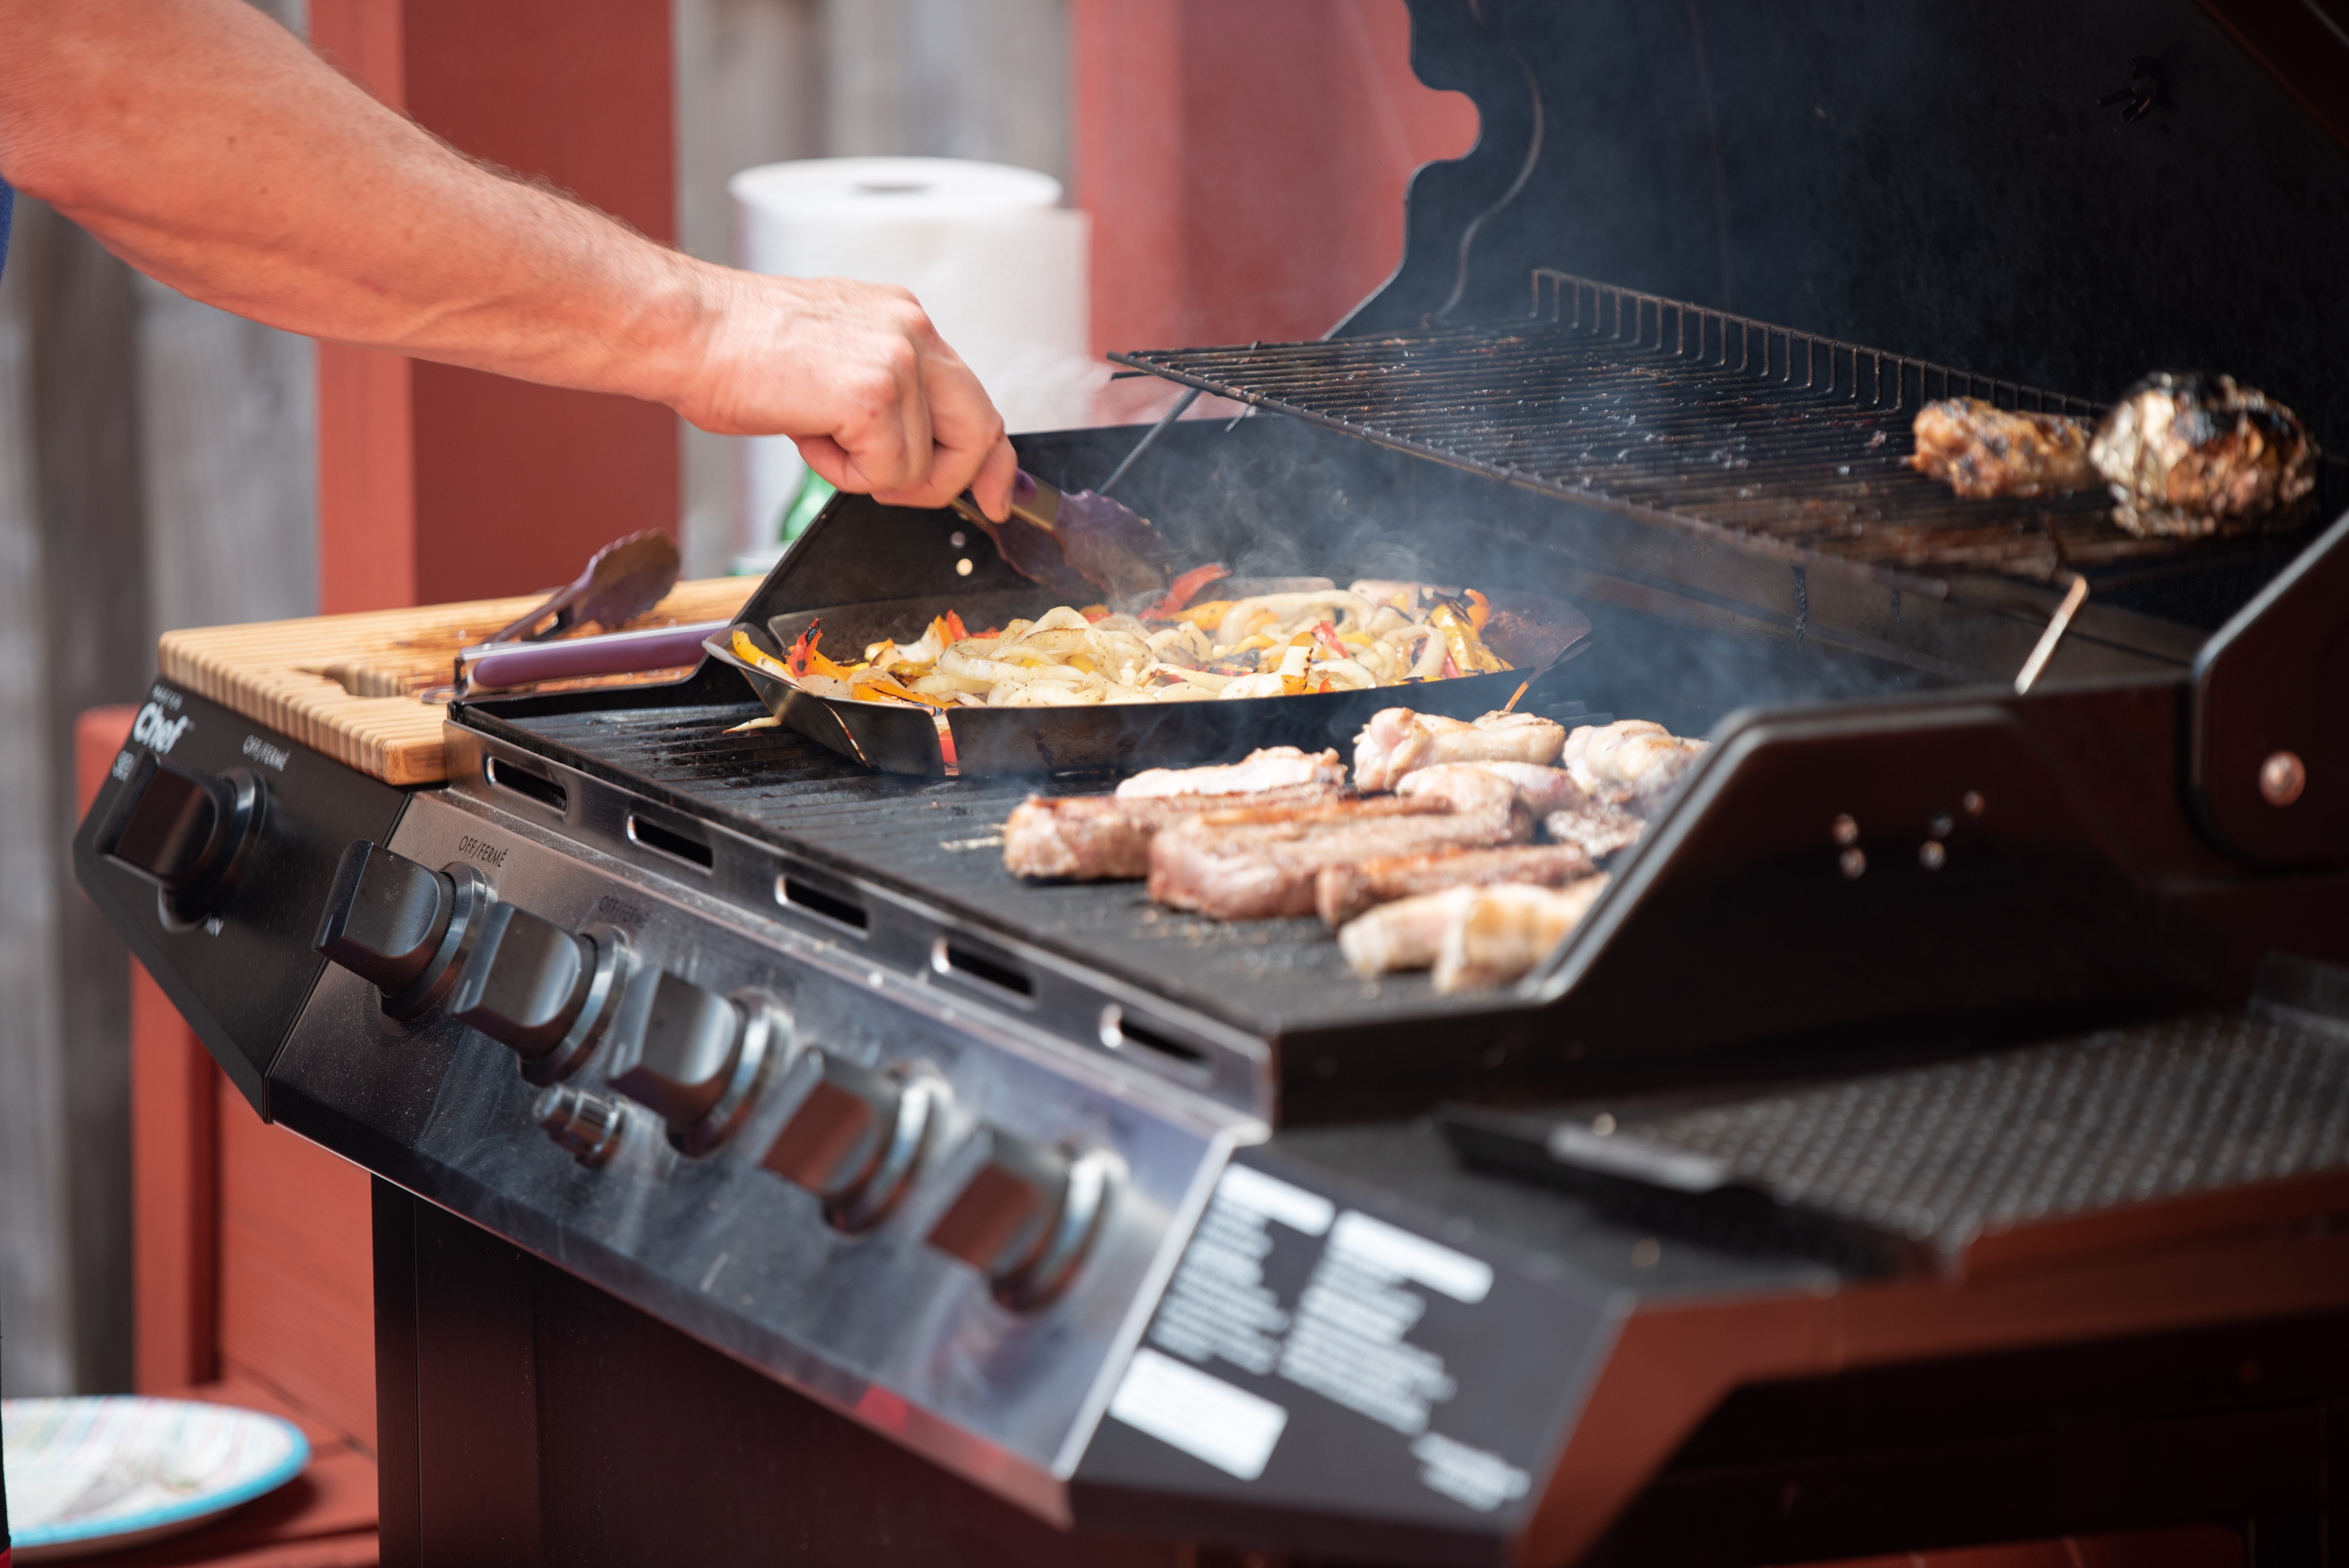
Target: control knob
{"x": 402, "y": 927}
{"x": 190, "y": 835}
{"x": 1025, "y": 1219}
{"x": 690, "y": 1056}
{"x": 544, "y": 991}
{"x": 856, "y": 1137}
{"x": 589, "y": 1126}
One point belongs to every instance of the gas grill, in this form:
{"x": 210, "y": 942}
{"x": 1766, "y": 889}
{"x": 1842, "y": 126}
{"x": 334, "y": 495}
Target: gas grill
{"x": 1939, "y": 1131}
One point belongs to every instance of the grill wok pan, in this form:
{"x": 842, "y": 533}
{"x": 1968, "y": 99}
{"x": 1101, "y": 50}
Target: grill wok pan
{"x": 1033, "y": 740}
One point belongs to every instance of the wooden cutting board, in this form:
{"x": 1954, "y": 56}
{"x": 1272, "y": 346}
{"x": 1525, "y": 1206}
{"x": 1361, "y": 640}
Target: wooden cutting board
{"x": 346, "y": 684}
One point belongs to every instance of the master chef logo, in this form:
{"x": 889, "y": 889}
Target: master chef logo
{"x": 151, "y": 729}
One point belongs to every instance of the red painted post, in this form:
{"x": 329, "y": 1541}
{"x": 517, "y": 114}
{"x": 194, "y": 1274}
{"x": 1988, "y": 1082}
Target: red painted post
{"x": 437, "y": 483}
{"x": 1245, "y": 163}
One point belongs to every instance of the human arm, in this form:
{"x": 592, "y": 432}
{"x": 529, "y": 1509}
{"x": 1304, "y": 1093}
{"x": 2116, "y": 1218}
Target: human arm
{"x": 206, "y": 146}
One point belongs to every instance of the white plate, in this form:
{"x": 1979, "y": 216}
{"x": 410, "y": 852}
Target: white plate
{"x": 89, "y": 1475}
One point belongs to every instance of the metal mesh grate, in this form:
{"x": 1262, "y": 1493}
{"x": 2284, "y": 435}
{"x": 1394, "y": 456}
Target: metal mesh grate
{"x": 1672, "y": 412}
{"x": 1935, "y": 1156}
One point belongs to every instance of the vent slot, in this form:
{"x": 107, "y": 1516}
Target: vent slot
{"x": 832, "y": 906}
{"x": 951, "y": 958}
{"x": 670, "y": 842}
{"x": 1126, "y": 1032}
{"x": 504, "y": 775}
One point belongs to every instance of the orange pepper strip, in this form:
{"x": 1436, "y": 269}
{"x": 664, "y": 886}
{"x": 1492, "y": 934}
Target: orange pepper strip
{"x": 1480, "y": 611}
{"x": 818, "y": 664}
{"x": 1205, "y": 614}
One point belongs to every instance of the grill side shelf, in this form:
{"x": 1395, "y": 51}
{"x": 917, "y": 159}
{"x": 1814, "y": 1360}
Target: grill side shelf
{"x": 2119, "y": 1140}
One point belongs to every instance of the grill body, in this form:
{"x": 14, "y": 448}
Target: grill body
{"x": 1786, "y": 1192}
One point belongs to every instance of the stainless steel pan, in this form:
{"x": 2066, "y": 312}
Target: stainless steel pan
{"x": 1035, "y": 740}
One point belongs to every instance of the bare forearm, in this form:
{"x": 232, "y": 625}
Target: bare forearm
{"x": 205, "y": 145}
{"x": 212, "y": 151}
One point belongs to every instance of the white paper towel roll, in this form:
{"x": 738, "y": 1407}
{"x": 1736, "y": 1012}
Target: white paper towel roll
{"x": 994, "y": 258}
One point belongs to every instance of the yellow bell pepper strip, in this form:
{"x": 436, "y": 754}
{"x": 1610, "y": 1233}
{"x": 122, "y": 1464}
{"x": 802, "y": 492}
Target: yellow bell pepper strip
{"x": 1480, "y": 612}
{"x": 1465, "y": 652}
{"x": 871, "y": 686}
{"x": 750, "y": 653}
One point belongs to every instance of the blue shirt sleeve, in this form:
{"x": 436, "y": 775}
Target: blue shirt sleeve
{"x": 8, "y": 211}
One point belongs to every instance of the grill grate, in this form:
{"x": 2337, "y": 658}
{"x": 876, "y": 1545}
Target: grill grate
{"x": 1671, "y": 412}
{"x": 940, "y": 838}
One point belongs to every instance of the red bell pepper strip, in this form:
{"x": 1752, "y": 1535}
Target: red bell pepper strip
{"x": 1181, "y": 591}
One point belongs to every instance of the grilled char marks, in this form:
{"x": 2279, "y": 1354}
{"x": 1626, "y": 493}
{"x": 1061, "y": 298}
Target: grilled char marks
{"x": 1239, "y": 865}
{"x": 1105, "y": 838}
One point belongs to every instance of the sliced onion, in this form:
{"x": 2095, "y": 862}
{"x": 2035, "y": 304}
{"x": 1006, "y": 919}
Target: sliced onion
{"x": 1265, "y": 682}
{"x": 1345, "y": 673}
{"x": 1234, "y": 625}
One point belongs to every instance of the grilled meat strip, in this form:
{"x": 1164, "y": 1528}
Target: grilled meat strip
{"x": 1540, "y": 789}
{"x": 2191, "y": 455}
{"x": 1596, "y": 827}
{"x": 1100, "y": 838}
{"x": 1341, "y": 893}
{"x": 1252, "y": 864}
{"x": 1469, "y": 935}
{"x": 1982, "y": 451}
{"x": 1508, "y": 930}
{"x": 1272, "y": 768}
{"x": 1571, "y": 814}
{"x": 1398, "y": 741}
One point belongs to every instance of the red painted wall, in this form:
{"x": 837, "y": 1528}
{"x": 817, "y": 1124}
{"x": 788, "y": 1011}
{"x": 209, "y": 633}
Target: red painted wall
{"x": 1245, "y": 163}
{"x": 437, "y": 483}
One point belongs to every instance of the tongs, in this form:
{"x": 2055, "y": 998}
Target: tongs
{"x": 622, "y": 581}
{"x": 1076, "y": 544}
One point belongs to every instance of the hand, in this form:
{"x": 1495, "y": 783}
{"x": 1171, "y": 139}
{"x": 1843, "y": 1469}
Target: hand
{"x": 859, "y": 379}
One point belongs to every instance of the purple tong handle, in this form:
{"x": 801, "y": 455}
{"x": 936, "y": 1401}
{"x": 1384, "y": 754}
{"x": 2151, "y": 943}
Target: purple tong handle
{"x": 489, "y": 664}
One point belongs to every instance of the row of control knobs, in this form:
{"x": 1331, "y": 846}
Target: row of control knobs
{"x": 438, "y": 939}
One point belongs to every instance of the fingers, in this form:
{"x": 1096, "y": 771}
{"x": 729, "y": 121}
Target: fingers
{"x": 858, "y": 377}
{"x": 968, "y": 451}
{"x": 992, "y": 487}
{"x": 881, "y": 421}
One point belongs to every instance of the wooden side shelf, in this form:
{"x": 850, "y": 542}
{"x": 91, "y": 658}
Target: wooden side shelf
{"x": 346, "y": 685}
